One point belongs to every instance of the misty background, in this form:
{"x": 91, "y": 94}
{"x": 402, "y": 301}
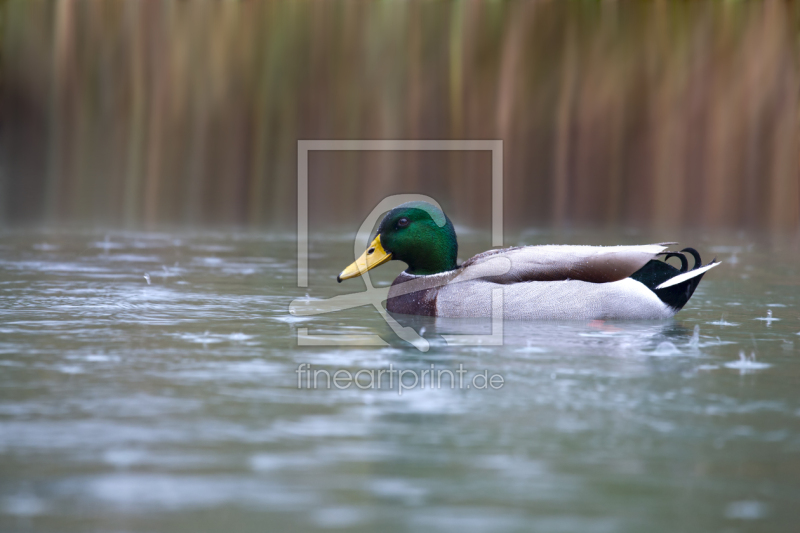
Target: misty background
{"x": 649, "y": 114}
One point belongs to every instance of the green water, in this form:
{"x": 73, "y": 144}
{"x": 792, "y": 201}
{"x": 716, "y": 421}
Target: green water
{"x": 173, "y": 404}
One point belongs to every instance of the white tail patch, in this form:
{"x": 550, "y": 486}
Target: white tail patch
{"x": 680, "y": 278}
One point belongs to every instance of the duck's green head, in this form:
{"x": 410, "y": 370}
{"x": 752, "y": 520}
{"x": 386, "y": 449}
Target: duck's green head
{"x": 417, "y": 233}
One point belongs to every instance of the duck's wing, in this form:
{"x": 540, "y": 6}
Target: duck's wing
{"x": 595, "y": 264}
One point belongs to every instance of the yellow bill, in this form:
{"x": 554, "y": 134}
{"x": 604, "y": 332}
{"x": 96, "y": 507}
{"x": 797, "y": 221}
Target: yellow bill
{"x": 374, "y": 255}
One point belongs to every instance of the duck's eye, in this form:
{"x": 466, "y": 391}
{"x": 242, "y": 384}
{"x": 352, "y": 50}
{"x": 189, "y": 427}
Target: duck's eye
{"x": 402, "y": 223}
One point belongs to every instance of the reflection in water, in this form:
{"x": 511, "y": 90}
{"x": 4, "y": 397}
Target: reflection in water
{"x": 166, "y": 405}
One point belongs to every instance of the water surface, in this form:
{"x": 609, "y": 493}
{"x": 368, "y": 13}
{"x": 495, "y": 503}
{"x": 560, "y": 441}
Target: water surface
{"x": 148, "y": 382}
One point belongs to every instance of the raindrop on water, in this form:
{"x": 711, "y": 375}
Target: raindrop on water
{"x": 768, "y": 319}
{"x": 695, "y": 342}
{"x": 747, "y": 363}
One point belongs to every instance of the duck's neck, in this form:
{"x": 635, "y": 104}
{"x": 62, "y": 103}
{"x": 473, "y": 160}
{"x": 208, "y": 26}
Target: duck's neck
{"x": 439, "y": 255}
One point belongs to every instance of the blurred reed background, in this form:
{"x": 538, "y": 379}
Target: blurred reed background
{"x": 142, "y": 114}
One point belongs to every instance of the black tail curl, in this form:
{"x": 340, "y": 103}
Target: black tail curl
{"x": 679, "y": 255}
{"x": 656, "y": 272}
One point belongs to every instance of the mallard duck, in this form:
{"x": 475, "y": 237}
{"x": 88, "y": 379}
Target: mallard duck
{"x": 537, "y": 282}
